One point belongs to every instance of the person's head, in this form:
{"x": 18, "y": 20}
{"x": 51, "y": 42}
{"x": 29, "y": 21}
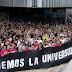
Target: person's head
{"x": 26, "y": 46}
{"x": 69, "y": 39}
{"x": 5, "y": 36}
{"x": 40, "y": 44}
{"x": 13, "y": 37}
{"x": 58, "y": 42}
{"x": 57, "y": 24}
{"x": 55, "y": 41}
{"x": 47, "y": 43}
{"x": 62, "y": 37}
{"x": 65, "y": 36}
{"x": 22, "y": 43}
{"x": 20, "y": 47}
{"x": 64, "y": 32}
{"x": 66, "y": 40}
{"x": 39, "y": 38}
{"x": 61, "y": 31}
{"x": 13, "y": 46}
{"x": 29, "y": 44}
{"x": 58, "y": 35}
{"x": 48, "y": 36}
{"x": 23, "y": 40}
{"x": 33, "y": 46}
{"x": 19, "y": 39}
{"x": 16, "y": 38}
{"x": 36, "y": 43}
{"x": 52, "y": 34}
{"x": 4, "y": 33}
{"x": 4, "y": 47}
{"x": 50, "y": 41}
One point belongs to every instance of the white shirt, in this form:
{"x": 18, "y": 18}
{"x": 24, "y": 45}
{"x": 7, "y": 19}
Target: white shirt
{"x": 62, "y": 35}
{"x": 18, "y": 43}
{"x": 62, "y": 40}
{"x": 23, "y": 47}
{"x": 10, "y": 39}
{"x": 2, "y": 45}
{"x": 47, "y": 46}
{"x": 39, "y": 41}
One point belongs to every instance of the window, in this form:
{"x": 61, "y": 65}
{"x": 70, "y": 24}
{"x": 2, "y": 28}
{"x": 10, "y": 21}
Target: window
{"x": 34, "y": 3}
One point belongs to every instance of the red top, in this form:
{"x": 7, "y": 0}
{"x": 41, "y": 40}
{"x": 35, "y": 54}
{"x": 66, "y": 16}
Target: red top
{"x": 26, "y": 49}
{"x": 13, "y": 50}
{"x": 54, "y": 45}
{"x": 36, "y": 46}
{"x": 43, "y": 30}
{"x": 7, "y": 43}
{"x": 4, "y": 51}
{"x": 33, "y": 49}
{"x": 19, "y": 27}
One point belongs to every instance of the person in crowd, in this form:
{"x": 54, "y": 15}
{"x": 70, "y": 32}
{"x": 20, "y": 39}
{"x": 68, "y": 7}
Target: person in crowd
{"x": 47, "y": 45}
{"x": 4, "y": 51}
{"x": 40, "y": 46}
{"x": 33, "y": 47}
{"x": 13, "y": 50}
{"x": 50, "y": 43}
{"x": 19, "y": 42}
{"x": 36, "y": 45}
{"x": 57, "y": 43}
{"x": 29, "y": 45}
{"x": 9, "y": 46}
{"x": 0, "y": 49}
{"x": 39, "y": 40}
{"x": 7, "y": 43}
{"x": 44, "y": 37}
{"x": 62, "y": 40}
{"x": 48, "y": 38}
{"x": 52, "y": 36}
{"x": 26, "y": 48}
{"x": 22, "y": 45}
{"x": 20, "y": 49}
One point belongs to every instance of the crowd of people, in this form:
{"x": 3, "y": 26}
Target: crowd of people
{"x": 24, "y": 36}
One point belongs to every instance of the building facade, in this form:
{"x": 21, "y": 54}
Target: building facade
{"x": 54, "y": 10}
{"x": 36, "y": 3}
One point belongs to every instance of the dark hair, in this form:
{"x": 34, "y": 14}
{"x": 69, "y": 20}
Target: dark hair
{"x": 35, "y": 41}
{"x": 47, "y": 41}
{"x": 32, "y": 44}
{"x": 21, "y": 42}
{"x": 28, "y": 44}
{"x": 40, "y": 43}
{"x": 50, "y": 40}
{"x": 5, "y": 46}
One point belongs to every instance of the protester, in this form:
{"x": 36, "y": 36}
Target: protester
{"x": 40, "y": 46}
{"x": 33, "y": 47}
{"x": 36, "y": 45}
{"x": 29, "y": 45}
{"x": 4, "y": 51}
{"x": 22, "y": 45}
{"x": 0, "y": 49}
{"x": 26, "y": 48}
{"x": 13, "y": 50}
{"x": 20, "y": 49}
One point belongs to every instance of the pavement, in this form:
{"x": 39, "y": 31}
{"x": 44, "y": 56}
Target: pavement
{"x": 61, "y": 68}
